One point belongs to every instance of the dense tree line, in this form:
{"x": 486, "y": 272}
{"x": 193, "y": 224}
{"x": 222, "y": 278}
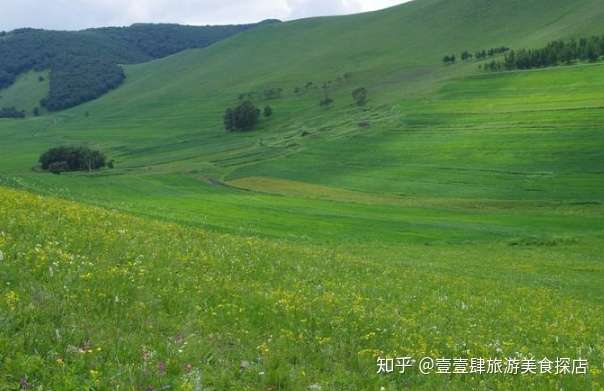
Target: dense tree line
{"x": 84, "y": 64}
{"x": 483, "y": 54}
{"x": 68, "y": 158}
{"x": 11, "y": 112}
{"x": 555, "y": 53}
{"x": 466, "y": 55}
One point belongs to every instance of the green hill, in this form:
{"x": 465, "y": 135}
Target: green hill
{"x": 434, "y": 131}
{"x": 457, "y": 214}
{"x": 85, "y": 64}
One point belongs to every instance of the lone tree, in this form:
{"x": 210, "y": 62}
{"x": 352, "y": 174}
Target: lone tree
{"x": 244, "y": 117}
{"x": 57, "y": 160}
{"x": 326, "y": 101}
{"x": 268, "y": 111}
{"x": 360, "y": 96}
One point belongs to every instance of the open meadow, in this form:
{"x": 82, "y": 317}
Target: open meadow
{"x": 458, "y": 213}
{"x": 98, "y": 299}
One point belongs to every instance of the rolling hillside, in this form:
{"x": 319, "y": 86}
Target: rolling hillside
{"x": 436, "y": 134}
{"x": 458, "y": 214}
{"x": 84, "y": 65}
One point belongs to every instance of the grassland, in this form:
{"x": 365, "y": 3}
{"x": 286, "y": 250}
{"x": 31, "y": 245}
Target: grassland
{"x": 26, "y": 93}
{"x": 479, "y": 161}
{"x": 93, "y": 298}
{"x": 463, "y": 218}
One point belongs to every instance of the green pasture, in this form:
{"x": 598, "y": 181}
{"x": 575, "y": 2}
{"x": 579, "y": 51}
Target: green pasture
{"x": 457, "y": 214}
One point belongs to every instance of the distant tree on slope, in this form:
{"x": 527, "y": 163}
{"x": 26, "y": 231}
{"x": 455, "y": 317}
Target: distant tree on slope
{"x": 466, "y": 55}
{"x": 244, "y": 117}
{"x": 268, "y": 111}
{"x": 360, "y": 96}
{"x": 448, "y": 60}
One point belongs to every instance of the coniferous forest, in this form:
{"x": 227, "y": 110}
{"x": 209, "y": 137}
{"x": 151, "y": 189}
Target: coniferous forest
{"x": 555, "y": 53}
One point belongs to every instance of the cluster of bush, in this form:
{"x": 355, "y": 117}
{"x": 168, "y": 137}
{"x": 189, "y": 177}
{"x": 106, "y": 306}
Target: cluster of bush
{"x": 70, "y": 158}
{"x": 326, "y": 85}
{"x": 273, "y": 93}
{"x": 555, "y": 53}
{"x": 267, "y": 94}
{"x": 84, "y": 64}
{"x": 11, "y": 112}
{"x": 482, "y": 54}
{"x": 359, "y": 96}
{"x": 244, "y": 117}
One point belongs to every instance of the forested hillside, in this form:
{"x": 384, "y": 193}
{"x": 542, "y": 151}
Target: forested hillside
{"x": 85, "y": 64}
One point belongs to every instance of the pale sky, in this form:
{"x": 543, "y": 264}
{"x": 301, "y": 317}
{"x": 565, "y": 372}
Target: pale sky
{"x": 80, "y": 14}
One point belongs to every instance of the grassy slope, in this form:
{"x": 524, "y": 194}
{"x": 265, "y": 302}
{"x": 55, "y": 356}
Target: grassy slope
{"x": 25, "y": 94}
{"x": 428, "y": 138}
{"x": 517, "y": 136}
{"x": 479, "y": 162}
{"x": 98, "y": 299}
{"x": 472, "y": 207}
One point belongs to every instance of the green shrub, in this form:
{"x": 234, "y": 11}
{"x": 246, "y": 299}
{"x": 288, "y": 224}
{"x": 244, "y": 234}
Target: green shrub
{"x": 268, "y": 111}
